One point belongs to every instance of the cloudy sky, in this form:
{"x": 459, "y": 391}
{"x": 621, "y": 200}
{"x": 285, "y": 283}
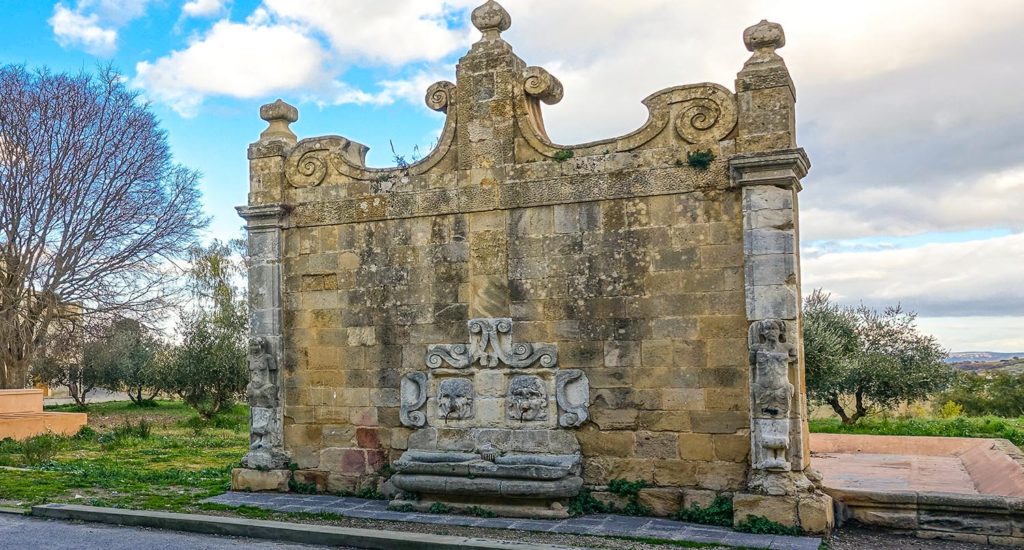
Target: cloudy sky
{"x": 911, "y": 110}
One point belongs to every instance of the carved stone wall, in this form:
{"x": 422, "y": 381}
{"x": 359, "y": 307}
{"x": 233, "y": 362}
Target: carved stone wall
{"x": 665, "y": 289}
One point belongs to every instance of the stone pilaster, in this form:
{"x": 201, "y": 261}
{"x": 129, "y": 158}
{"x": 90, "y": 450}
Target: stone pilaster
{"x": 768, "y": 168}
{"x": 264, "y": 216}
{"x": 769, "y": 184}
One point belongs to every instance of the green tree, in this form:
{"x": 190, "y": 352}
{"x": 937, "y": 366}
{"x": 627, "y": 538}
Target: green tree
{"x": 998, "y": 393}
{"x": 874, "y": 359}
{"x": 126, "y": 352}
{"x": 62, "y": 361}
{"x": 208, "y": 369}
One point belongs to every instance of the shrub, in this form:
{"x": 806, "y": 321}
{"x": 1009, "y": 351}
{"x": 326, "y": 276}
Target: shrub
{"x": 39, "y": 449}
{"x": 585, "y": 503}
{"x": 951, "y": 409}
{"x": 563, "y": 155}
{"x": 439, "y": 508}
{"x": 208, "y": 370}
{"x": 85, "y": 432}
{"x": 301, "y": 487}
{"x": 480, "y": 512}
{"x": 719, "y": 512}
{"x": 760, "y": 525}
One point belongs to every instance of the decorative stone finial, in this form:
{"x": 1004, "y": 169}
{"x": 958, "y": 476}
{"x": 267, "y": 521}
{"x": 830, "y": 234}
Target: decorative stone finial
{"x": 491, "y": 19}
{"x": 279, "y": 114}
{"x": 764, "y": 36}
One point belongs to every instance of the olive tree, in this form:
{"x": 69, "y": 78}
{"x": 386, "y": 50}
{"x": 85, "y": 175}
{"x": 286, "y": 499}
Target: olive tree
{"x": 62, "y": 361}
{"x": 93, "y": 210}
{"x": 870, "y": 358}
{"x": 208, "y": 369}
{"x": 126, "y": 354}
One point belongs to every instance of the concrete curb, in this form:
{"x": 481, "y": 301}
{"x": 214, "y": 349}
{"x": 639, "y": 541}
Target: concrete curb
{"x": 13, "y": 510}
{"x": 323, "y": 535}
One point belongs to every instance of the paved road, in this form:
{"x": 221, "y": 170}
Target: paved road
{"x": 25, "y": 533}
{"x": 97, "y": 395}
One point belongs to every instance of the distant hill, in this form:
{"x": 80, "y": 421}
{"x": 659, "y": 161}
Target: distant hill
{"x": 982, "y": 361}
{"x": 968, "y": 356}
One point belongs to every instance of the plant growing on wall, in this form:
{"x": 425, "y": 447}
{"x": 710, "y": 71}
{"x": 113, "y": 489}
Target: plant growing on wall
{"x": 700, "y": 160}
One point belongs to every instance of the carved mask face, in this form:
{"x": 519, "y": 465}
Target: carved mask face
{"x": 527, "y": 398}
{"x": 455, "y": 398}
{"x": 771, "y": 332}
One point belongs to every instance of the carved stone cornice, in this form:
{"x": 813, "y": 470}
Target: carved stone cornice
{"x": 782, "y": 168}
{"x": 263, "y": 216}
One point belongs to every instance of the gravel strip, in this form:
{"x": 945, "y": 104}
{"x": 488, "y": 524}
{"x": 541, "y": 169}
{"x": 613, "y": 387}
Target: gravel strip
{"x": 859, "y": 538}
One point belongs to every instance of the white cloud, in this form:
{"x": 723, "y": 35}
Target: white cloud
{"x": 237, "y": 60}
{"x": 903, "y": 106}
{"x": 984, "y": 333}
{"x": 203, "y": 8}
{"x": 980, "y": 277}
{"x": 73, "y": 29}
{"x": 394, "y": 32}
{"x": 92, "y": 25}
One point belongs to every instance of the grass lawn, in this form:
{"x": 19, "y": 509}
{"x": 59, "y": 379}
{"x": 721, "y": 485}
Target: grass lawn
{"x": 962, "y": 426}
{"x": 115, "y": 462}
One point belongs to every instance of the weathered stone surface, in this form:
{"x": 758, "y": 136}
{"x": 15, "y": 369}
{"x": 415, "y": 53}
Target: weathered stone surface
{"x": 663, "y": 501}
{"x": 816, "y": 513}
{"x": 245, "y": 479}
{"x": 628, "y": 271}
{"x": 779, "y": 509}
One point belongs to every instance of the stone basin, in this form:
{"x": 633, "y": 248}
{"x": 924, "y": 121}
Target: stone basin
{"x": 968, "y": 489}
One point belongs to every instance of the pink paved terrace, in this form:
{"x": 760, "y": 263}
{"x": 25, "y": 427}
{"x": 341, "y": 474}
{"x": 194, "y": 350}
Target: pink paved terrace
{"x": 899, "y": 463}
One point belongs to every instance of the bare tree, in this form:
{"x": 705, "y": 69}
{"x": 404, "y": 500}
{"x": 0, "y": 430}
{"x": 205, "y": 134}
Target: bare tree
{"x": 93, "y": 211}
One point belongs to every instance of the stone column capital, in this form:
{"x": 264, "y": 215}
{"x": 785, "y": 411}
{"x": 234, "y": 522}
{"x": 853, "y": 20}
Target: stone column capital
{"x": 783, "y": 168}
{"x": 263, "y": 216}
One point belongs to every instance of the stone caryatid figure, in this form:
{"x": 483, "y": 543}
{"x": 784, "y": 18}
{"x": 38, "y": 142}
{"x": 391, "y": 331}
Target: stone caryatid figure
{"x": 771, "y": 357}
{"x": 262, "y": 393}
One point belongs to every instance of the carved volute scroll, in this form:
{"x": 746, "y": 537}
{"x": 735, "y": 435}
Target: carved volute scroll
{"x": 440, "y": 95}
{"x": 413, "y": 394}
{"x": 705, "y": 113}
{"x": 491, "y": 345}
{"x": 572, "y": 391}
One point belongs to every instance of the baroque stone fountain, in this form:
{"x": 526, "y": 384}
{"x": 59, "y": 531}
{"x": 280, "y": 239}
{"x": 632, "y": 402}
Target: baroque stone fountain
{"x": 494, "y": 421}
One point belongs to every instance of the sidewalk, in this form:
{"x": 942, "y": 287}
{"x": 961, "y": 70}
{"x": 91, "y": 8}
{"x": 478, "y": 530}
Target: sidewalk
{"x": 598, "y": 524}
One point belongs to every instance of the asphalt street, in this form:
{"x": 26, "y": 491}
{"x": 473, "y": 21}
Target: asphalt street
{"x": 26, "y": 533}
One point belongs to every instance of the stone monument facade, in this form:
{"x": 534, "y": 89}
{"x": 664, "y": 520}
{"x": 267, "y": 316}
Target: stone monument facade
{"x": 508, "y": 321}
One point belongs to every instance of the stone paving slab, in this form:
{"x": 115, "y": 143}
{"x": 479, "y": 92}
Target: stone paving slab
{"x": 597, "y": 524}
